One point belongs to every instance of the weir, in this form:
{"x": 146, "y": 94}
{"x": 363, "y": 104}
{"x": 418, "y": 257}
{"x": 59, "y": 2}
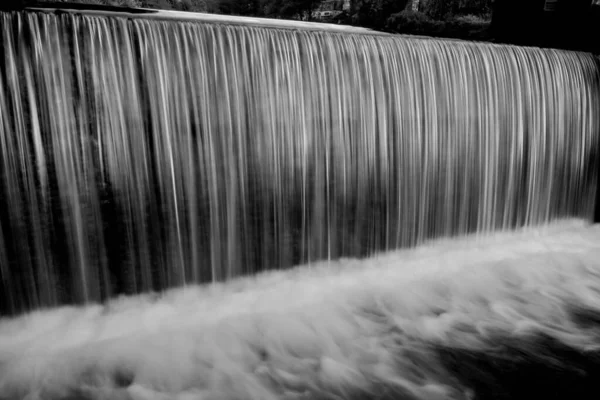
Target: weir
{"x": 145, "y": 151}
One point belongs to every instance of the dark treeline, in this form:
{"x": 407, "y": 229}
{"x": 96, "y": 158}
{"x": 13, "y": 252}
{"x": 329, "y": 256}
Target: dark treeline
{"x": 566, "y": 24}
{"x": 469, "y": 19}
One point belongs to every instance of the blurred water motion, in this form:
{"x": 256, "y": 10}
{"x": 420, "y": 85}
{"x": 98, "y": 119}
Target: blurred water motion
{"x": 139, "y": 154}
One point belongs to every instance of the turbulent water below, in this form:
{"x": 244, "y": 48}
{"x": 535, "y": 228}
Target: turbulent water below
{"x": 515, "y": 315}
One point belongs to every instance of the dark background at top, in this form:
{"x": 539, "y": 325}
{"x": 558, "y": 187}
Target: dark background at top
{"x": 573, "y": 24}
{"x": 565, "y": 24}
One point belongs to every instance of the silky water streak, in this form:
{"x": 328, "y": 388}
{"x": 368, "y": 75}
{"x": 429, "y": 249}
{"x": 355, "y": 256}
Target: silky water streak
{"x": 139, "y": 154}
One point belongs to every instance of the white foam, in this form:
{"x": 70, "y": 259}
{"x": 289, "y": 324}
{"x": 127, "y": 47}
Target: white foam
{"x": 333, "y": 327}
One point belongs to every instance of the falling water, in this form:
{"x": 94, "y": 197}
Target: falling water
{"x": 141, "y": 154}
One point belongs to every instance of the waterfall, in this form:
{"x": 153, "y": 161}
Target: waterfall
{"x": 139, "y": 154}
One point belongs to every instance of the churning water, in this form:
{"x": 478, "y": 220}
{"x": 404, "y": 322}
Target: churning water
{"x": 142, "y": 154}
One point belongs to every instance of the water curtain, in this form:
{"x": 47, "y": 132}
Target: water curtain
{"x": 139, "y": 154}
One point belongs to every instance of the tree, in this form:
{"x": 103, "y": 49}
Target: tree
{"x": 286, "y": 8}
{"x": 374, "y": 13}
{"x": 441, "y": 9}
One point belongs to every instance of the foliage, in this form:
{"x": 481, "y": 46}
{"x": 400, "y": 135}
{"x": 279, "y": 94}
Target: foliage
{"x": 471, "y": 27}
{"x": 445, "y": 9}
{"x": 412, "y": 22}
{"x": 468, "y": 19}
{"x": 374, "y": 13}
{"x": 260, "y": 8}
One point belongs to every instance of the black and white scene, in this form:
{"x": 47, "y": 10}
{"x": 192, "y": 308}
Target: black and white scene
{"x": 300, "y": 200}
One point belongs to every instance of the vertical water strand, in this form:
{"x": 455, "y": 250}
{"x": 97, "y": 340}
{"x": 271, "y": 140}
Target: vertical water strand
{"x": 100, "y": 65}
{"x": 243, "y": 126}
{"x": 457, "y": 122}
{"x": 391, "y": 78}
{"x": 572, "y": 142}
{"x": 303, "y": 143}
{"x": 333, "y": 162}
{"x": 142, "y": 48}
{"x": 193, "y": 194}
{"x": 438, "y": 135}
{"x": 325, "y": 132}
{"x": 477, "y": 185}
{"x": 444, "y": 138}
{"x": 209, "y": 199}
{"x": 499, "y": 148}
{"x": 315, "y": 206}
{"x": 13, "y": 291}
{"x": 322, "y": 149}
{"x": 592, "y": 127}
{"x": 556, "y": 121}
{"x": 489, "y": 144}
{"x": 463, "y": 105}
{"x": 9, "y": 299}
{"x": 370, "y": 135}
{"x": 87, "y": 165}
{"x": 253, "y": 140}
{"x": 188, "y": 138}
{"x": 15, "y": 170}
{"x": 340, "y": 87}
{"x": 386, "y": 145}
{"x": 359, "y": 151}
{"x": 278, "y": 135}
{"x": 508, "y": 105}
{"x": 491, "y": 148}
{"x": 405, "y": 111}
{"x": 452, "y": 137}
{"x": 380, "y": 221}
{"x": 134, "y": 189}
{"x": 70, "y": 160}
{"x": 135, "y": 186}
{"x": 482, "y": 184}
{"x": 265, "y": 173}
{"x": 37, "y": 189}
{"x": 360, "y": 145}
{"x": 343, "y": 161}
{"x": 466, "y": 113}
{"x": 220, "y": 138}
{"x": 426, "y": 138}
{"x": 207, "y": 147}
{"x": 180, "y": 119}
{"x": 265, "y": 162}
{"x": 515, "y": 110}
{"x": 224, "y": 50}
{"x": 419, "y": 144}
{"x": 508, "y": 101}
{"x": 541, "y": 134}
{"x": 158, "y": 74}
{"x": 531, "y": 138}
{"x": 550, "y": 127}
{"x": 298, "y": 125}
{"x": 58, "y": 89}
{"x": 588, "y": 82}
{"x": 293, "y": 100}
{"x": 558, "y": 145}
{"x": 283, "y": 97}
